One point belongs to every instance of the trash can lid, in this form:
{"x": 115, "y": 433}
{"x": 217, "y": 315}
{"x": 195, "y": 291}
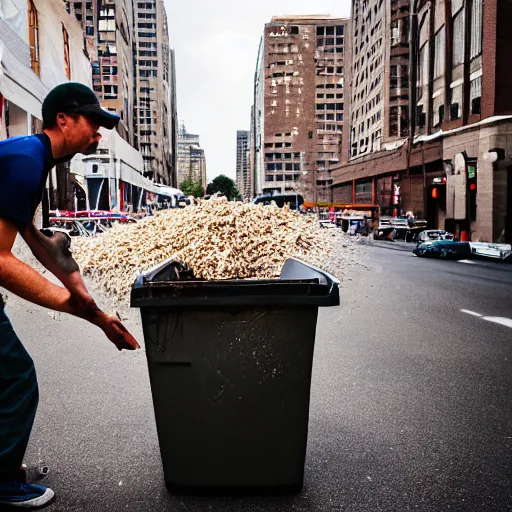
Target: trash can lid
{"x": 299, "y": 284}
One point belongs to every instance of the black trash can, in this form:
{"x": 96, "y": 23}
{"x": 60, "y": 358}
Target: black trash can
{"x": 230, "y": 370}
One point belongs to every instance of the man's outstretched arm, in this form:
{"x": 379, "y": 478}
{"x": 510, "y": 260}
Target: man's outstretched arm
{"x": 24, "y": 281}
{"x": 53, "y": 254}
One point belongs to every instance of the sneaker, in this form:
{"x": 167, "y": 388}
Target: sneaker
{"x": 19, "y": 494}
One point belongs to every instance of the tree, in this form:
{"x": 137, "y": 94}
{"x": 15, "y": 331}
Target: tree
{"x": 224, "y": 185}
{"x": 190, "y": 187}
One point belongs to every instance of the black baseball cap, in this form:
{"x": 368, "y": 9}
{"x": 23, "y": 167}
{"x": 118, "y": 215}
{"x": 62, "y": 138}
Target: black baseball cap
{"x": 76, "y": 98}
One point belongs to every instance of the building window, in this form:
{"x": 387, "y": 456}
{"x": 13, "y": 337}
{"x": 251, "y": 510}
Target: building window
{"x": 458, "y": 38}
{"x": 423, "y": 70}
{"x": 33, "y": 35}
{"x": 438, "y": 106}
{"x": 475, "y": 94}
{"x": 147, "y": 44}
{"x": 110, "y": 91}
{"x": 67, "y": 62}
{"x": 439, "y": 55}
{"x": 393, "y": 121}
{"x": 148, "y": 73}
{"x": 456, "y": 102}
{"x": 108, "y": 70}
{"x": 107, "y": 25}
{"x": 476, "y": 28}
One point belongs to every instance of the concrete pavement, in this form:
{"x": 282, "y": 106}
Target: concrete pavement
{"x": 410, "y": 403}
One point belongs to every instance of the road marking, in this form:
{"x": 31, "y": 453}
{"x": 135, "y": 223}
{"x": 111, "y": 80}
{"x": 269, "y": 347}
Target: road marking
{"x": 468, "y": 312}
{"x": 507, "y": 322}
{"x": 466, "y": 261}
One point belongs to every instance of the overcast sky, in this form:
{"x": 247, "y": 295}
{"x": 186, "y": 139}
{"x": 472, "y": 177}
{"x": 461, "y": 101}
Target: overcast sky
{"x": 216, "y": 43}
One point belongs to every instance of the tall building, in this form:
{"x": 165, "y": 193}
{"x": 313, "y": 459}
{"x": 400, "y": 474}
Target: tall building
{"x": 243, "y": 178}
{"x": 379, "y": 87}
{"x": 134, "y": 74}
{"x": 299, "y": 104}
{"x": 173, "y": 121}
{"x": 191, "y": 158}
{"x": 108, "y": 37}
{"x": 444, "y": 124}
{"x": 257, "y": 163}
{"x": 154, "y": 91}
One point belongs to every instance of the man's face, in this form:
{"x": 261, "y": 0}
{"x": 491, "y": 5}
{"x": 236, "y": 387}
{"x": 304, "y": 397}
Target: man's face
{"x": 80, "y": 134}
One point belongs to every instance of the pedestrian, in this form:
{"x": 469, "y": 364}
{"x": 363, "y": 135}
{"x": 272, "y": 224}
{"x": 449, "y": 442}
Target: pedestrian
{"x": 72, "y": 116}
{"x": 410, "y": 219}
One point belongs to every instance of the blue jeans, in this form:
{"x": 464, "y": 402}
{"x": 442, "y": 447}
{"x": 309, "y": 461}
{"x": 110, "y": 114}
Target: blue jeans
{"x": 19, "y": 396}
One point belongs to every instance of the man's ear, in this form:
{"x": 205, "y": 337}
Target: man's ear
{"x": 61, "y": 120}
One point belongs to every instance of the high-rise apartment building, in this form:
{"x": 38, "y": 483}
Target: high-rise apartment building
{"x": 243, "y": 178}
{"x": 299, "y": 105}
{"x": 191, "y": 158}
{"x": 379, "y": 86}
{"x": 154, "y": 90}
{"x": 108, "y": 36}
{"x": 134, "y": 74}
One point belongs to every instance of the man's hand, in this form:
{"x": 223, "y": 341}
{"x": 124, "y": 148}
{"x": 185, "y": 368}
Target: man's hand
{"x": 117, "y": 333}
{"x": 114, "y": 330}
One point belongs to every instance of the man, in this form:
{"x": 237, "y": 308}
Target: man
{"x": 72, "y": 116}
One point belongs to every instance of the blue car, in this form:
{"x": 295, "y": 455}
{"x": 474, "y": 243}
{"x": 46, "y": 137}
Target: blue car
{"x": 443, "y": 249}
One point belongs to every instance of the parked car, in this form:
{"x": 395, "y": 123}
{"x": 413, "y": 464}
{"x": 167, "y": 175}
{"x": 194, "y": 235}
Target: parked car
{"x": 443, "y": 249}
{"x": 434, "y": 234}
{"x": 294, "y": 200}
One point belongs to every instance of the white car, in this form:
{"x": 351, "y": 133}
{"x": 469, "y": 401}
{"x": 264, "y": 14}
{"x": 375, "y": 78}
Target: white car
{"x": 434, "y": 234}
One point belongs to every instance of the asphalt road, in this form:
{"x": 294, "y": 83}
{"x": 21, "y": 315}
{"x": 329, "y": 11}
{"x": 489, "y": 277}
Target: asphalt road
{"x": 411, "y": 404}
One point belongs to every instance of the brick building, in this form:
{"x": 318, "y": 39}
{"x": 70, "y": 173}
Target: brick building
{"x": 298, "y": 122}
{"x": 454, "y": 168}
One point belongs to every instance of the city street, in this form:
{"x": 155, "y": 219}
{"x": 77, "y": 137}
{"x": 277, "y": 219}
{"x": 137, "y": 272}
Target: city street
{"x": 410, "y": 405}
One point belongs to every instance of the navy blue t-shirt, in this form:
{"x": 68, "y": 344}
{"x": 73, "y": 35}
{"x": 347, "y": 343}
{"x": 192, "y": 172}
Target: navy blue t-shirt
{"x": 24, "y": 166}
